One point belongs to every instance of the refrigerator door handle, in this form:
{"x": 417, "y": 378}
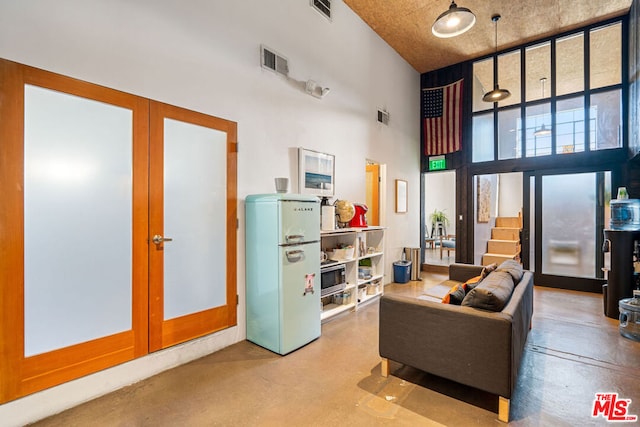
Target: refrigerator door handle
{"x": 294, "y": 256}
{"x": 294, "y": 238}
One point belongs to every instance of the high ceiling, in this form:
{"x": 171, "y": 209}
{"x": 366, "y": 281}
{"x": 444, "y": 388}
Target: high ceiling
{"x": 406, "y": 25}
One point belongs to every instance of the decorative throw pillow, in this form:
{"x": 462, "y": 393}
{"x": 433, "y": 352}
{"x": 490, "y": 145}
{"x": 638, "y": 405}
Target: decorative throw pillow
{"x": 471, "y": 283}
{"x": 512, "y": 267}
{"x": 454, "y": 296}
{"x": 492, "y": 293}
{"x": 487, "y": 269}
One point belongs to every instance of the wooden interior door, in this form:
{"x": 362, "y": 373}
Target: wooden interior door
{"x": 373, "y": 194}
{"x": 73, "y": 228}
{"x": 192, "y": 225}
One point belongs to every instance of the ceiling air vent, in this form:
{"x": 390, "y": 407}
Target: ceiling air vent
{"x": 383, "y": 117}
{"x": 273, "y": 61}
{"x": 322, "y": 6}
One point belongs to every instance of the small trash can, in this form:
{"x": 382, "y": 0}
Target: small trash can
{"x": 630, "y": 316}
{"x": 401, "y": 271}
{"x": 413, "y": 255}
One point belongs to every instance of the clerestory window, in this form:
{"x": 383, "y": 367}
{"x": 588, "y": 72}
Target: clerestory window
{"x": 566, "y": 97}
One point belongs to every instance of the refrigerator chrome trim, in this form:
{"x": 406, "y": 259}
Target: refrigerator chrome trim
{"x": 306, "y": 242}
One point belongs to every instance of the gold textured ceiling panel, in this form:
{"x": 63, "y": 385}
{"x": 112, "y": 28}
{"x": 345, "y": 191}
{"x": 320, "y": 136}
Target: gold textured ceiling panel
{"x": 406, "y": 25}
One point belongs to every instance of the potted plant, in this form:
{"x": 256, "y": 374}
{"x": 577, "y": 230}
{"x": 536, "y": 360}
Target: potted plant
{"x": 439, "y": 222}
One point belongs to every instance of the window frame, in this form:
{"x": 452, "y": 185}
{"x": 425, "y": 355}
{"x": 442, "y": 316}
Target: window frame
{"x": 587, "y": 155}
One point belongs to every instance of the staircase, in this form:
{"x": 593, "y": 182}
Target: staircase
{"x": 505, "y": 241}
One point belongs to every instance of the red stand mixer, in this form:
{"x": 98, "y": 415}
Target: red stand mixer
{"x": 359, "y": 220}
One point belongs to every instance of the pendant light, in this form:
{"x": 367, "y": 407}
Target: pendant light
{"x": 453, "y": 22}
{"x": 543, "y": 131}
{"x": 496, "y": 94}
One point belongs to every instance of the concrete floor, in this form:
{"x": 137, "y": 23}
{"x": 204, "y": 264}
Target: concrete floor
{"x": 572, "y": 353}
{"x": 432, "y": 257}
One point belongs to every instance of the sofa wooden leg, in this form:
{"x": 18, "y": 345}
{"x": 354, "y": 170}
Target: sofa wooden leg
{"x": 503, "y": 409}
{"x": 384, "y": 367}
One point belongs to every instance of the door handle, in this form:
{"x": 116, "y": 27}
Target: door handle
{"x": 157, "y": 239}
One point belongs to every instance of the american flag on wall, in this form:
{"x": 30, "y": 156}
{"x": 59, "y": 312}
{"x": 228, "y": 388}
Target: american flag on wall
{"x": 442, "y": 113}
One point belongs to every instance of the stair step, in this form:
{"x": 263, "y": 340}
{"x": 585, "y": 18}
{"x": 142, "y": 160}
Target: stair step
{"x": 505, "y": 233}
{"x": 490, "y": 258}
{"x": 507, "y": 221}
{"x": 503, "y": 246}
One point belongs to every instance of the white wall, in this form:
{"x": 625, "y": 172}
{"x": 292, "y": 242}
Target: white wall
{"x": 204, "y": 56}
{"x": 510, "y": 197}
{"x": 482, "y": 230}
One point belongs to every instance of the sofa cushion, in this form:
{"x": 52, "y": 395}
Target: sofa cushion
{"x": 455, "y": 295}
{"x": 492, "y": 293}
{"x": 512, "y": 267}
{"x": 471, "y": 283}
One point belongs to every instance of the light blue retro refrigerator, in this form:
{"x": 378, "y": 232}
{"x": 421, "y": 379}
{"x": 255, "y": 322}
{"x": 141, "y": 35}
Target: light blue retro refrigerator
{"x": 282, "y": 270}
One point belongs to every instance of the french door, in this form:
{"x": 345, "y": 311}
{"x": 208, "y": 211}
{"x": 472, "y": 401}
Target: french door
{"x": 564, "y": 218}
{"x": 94, "y": 182}
{"x": 192, "y": 223}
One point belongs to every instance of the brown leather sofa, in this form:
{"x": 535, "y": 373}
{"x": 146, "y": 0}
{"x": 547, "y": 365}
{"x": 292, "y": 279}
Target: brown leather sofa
{"x": 468, "y": 345}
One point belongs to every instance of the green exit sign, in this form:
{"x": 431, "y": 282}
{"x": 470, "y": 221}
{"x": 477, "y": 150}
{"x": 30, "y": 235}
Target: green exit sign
{"x": 437, "y": 163}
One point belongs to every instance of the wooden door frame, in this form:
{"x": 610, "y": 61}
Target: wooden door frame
{"x": 374, "y": 209}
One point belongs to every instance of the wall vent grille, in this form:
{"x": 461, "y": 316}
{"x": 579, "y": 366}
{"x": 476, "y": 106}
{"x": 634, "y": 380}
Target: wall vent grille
{"x": 383, "y": 117}
{"x": 273, "y": 61}
{"x": 322, "y": 6}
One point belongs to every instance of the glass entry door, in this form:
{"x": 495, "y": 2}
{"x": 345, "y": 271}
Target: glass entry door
{"x": 566, "y": 224}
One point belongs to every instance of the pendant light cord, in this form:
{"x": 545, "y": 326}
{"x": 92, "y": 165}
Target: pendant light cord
{"x": 496, "y": 94}
{"x": 495, "y": 19}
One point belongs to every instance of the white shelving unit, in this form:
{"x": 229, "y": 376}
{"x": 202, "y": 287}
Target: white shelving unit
{"x": 364, "y": 272}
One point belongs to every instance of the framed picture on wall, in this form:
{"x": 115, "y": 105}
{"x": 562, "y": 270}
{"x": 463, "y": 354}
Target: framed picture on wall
{"x": 484, "y": 199}
{"x": 401, "y": 196}
{"x": 316, "y": 173}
